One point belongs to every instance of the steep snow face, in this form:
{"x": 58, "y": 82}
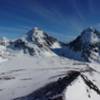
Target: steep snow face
{"x": 79, "y": 90}
{"x": 91, "y": 44}
{"x": 76, "y": 91}
{"x": 88, "y": 44}
{"x": 85, "y": 87}
{"x": 90, "y": 36}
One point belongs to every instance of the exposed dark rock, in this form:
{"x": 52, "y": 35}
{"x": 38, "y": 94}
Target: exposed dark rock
{"x": 90, "y": 84}
{"x": 54, "y": 90}
{"x": 88, "y": 44}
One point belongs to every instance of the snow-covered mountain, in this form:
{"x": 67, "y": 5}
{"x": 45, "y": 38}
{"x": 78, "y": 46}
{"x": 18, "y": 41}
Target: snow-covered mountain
{"x": 35, "y": 42}
{"x": 88, "y": 44}
{"x": 37, "y": 66}
{"x": 4, "y": 42}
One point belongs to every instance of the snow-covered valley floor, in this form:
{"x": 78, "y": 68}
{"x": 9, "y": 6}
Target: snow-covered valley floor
{"x": 22, "y": 74}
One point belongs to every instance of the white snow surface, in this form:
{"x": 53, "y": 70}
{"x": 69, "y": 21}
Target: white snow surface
{"x": 89, "y": 36}
{"x": 80, "y": 91}
{"x": 22, "y": 74}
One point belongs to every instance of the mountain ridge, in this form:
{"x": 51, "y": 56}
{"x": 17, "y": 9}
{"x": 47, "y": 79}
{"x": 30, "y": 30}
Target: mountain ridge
{"x": 40, "y": 67}
{"x": 37, "y": 42}
{"x": 88, "y": 44}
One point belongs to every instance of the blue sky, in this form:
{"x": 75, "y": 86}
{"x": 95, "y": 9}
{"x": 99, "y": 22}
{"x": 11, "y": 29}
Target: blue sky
{"x": 63, "y": 19}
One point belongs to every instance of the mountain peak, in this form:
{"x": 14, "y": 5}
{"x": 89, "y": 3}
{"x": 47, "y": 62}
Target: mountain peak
{"x": 36, "y": 34}
{"x": 36, "y": 30}
{"x": 90, "y": 29}
{"x": 41, "y": 38}
{"x": 90, "y": 35}
{"x": 88, "y": 44}
{"x": 36, "y": 41}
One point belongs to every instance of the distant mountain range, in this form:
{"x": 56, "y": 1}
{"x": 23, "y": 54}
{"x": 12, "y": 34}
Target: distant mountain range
{"x": 36, "y": 42}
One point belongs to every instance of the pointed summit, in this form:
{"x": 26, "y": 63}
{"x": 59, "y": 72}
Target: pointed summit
{"x": 41, "y": 38}
{"x": 36, "y": 41}
{"x": 34, "y": 33}
{"x": 87, "y": 44}
{"x": 90, "y": 35}
{"x": 90, "y": 29}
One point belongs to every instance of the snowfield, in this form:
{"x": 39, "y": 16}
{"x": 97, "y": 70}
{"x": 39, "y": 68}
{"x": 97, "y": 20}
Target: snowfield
{"x": 39, "y": 67}
{"x": 22, "y": 74}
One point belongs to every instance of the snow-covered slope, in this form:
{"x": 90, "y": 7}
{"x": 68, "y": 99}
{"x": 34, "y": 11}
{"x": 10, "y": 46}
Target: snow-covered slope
{"x": 3, "y": 49}
{"x": 88, "y": 44}
{"x": 84, "y": 88}
{"x": 41, "y": 38}
{"x": 26, "y": 77}
{"x": 23, "y": 74}
{"x": 37, "y": 66}
{"x": 35, "y": 42}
